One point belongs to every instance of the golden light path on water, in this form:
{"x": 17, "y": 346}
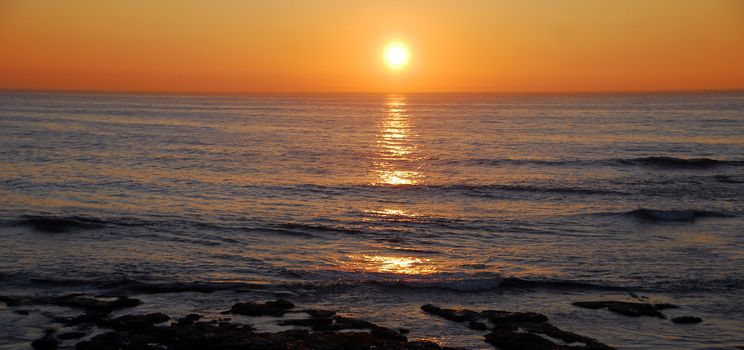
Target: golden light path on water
{"x": 396, "y": 149}
{"x": 404, "y": 265}
{"x": 395, "y": 164}
{"x": 389, "y": 214}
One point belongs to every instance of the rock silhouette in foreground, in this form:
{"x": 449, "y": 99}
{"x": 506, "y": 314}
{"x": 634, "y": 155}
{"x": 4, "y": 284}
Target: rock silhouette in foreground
{"x": 518, "y": 330}
{"x": 687, "y": 319}
{"x": 626, "y": 308}
{"x": 159, "y": 331}
{"x": 269, "y": 308}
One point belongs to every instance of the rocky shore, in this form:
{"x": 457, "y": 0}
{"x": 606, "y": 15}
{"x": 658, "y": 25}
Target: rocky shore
{"x": 96, "y": 329}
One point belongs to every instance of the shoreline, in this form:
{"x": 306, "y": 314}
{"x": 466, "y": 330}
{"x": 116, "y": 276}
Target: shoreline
{"x": 85, "y": 322}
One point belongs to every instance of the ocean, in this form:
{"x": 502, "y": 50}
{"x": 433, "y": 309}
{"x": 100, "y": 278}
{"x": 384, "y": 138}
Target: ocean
{"x": 376, "y": 204}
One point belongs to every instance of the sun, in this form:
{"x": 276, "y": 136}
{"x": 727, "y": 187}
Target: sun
{"x": 396, "y": 55}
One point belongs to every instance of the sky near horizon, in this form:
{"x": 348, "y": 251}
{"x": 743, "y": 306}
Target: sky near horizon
{"x": 337, "y": 46}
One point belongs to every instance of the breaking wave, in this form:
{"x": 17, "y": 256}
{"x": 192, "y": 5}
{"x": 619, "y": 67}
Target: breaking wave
{"x": 651, "y": 161}
{"x": 675, "y": 214}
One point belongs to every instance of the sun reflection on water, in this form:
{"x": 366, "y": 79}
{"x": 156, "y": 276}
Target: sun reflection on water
{"x": 396, "y": 149}
{"x": 404, "y": 265}
{"x": 392, "y": 212}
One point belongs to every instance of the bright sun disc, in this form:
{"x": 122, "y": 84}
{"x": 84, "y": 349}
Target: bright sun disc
{"x": 396, "y": 56}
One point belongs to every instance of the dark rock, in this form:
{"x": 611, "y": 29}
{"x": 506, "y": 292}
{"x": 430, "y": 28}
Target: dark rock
{"x": 526, "y": 335}
{"x": 519, "y": 330}
{"x": 565, "y": 336}
{"x": 14, "y": 300}
{"x": 451, "y": 314}
{"x": 45, "y": 343}
{"x": 351, "y": 323}
{"x": 387, "y": 333}
{"x": 102, "y": 304}
{"x": 478, "y": 326}
{"x": 403, "y": 330}
{"x": 189, "y": 319}
{"x": 269, "y": 308}
{"x": 71, "y": 335}
{"x": 80, "y": 301}
{"x": 687, "y": 319}
{"x": 338, "y": 323}
{"x": 95, "y": 314}
{"x": 320, "y": 313}
{"x": 665, "y": 306}
{"x": 86, "y": 319}
{"x": 129, "y": 322}
{"x": 192, "y": 317}
{"x": 501, "y": 316}
{"x": 423, "y": 345}
{"x": 506, "y": 339}
{"x": 109, "y": 341}
{"x": 80, "y": 320}
{"x": 352, "y": 340}
{"x": 229, "y": 336}
{"x": 622, "y": 307}
{"x": 22, "y": 312}
{"x": 315, "y": 323}
{"x": 144, "y": 332}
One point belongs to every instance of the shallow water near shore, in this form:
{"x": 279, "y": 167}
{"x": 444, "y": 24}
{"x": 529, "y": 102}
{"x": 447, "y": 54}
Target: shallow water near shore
{"x": 377, "y": 204}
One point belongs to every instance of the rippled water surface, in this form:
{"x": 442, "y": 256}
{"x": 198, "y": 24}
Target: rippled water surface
{"x": 378, "y": 203}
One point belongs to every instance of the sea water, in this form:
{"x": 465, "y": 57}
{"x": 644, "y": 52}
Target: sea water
{"x": 374, "y": 205}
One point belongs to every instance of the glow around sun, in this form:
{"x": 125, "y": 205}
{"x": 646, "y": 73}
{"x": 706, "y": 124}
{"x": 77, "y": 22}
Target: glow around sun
{"x": 396, "y": 56}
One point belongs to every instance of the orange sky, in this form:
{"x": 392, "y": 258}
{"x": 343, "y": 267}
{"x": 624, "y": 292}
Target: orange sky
{"x": 336, "y": 46}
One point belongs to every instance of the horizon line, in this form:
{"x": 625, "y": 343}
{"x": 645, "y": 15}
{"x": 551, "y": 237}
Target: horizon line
{"x": 523, "y": 92}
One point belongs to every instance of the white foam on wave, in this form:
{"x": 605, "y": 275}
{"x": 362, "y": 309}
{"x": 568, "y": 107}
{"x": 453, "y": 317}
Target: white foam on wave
{"x": 454, "y": 281}
{"x": 458, "y": 284}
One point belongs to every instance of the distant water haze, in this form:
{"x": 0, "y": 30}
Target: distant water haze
{"x": 450, "y": 193}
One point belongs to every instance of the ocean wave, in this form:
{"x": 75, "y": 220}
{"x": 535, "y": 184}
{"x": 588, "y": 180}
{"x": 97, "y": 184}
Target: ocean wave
{"x": 456, "y": 284}
{"x": 521, "y": 283}
{"x": 674, "y": 214}
{"x": 54, "y": 224}
{"x": 452, "y": 281}
{"x": 135, "y": 286}
{"x": 687, "y": 163}
{"x": 462, "y": 188}
{"x": 125, "y": 284}
{"x": 481, "y": 284}
{"x": 322, "y": 228}
{"x": 63, "y": 224}
{"x": 487, "y": 190}
{"x": 290, "y": 229}
{"x": 467, "y": 281}
{"x": 653, "y": 161}
{"x": 512, "y": 161}
{"x": 342, "y": 281}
